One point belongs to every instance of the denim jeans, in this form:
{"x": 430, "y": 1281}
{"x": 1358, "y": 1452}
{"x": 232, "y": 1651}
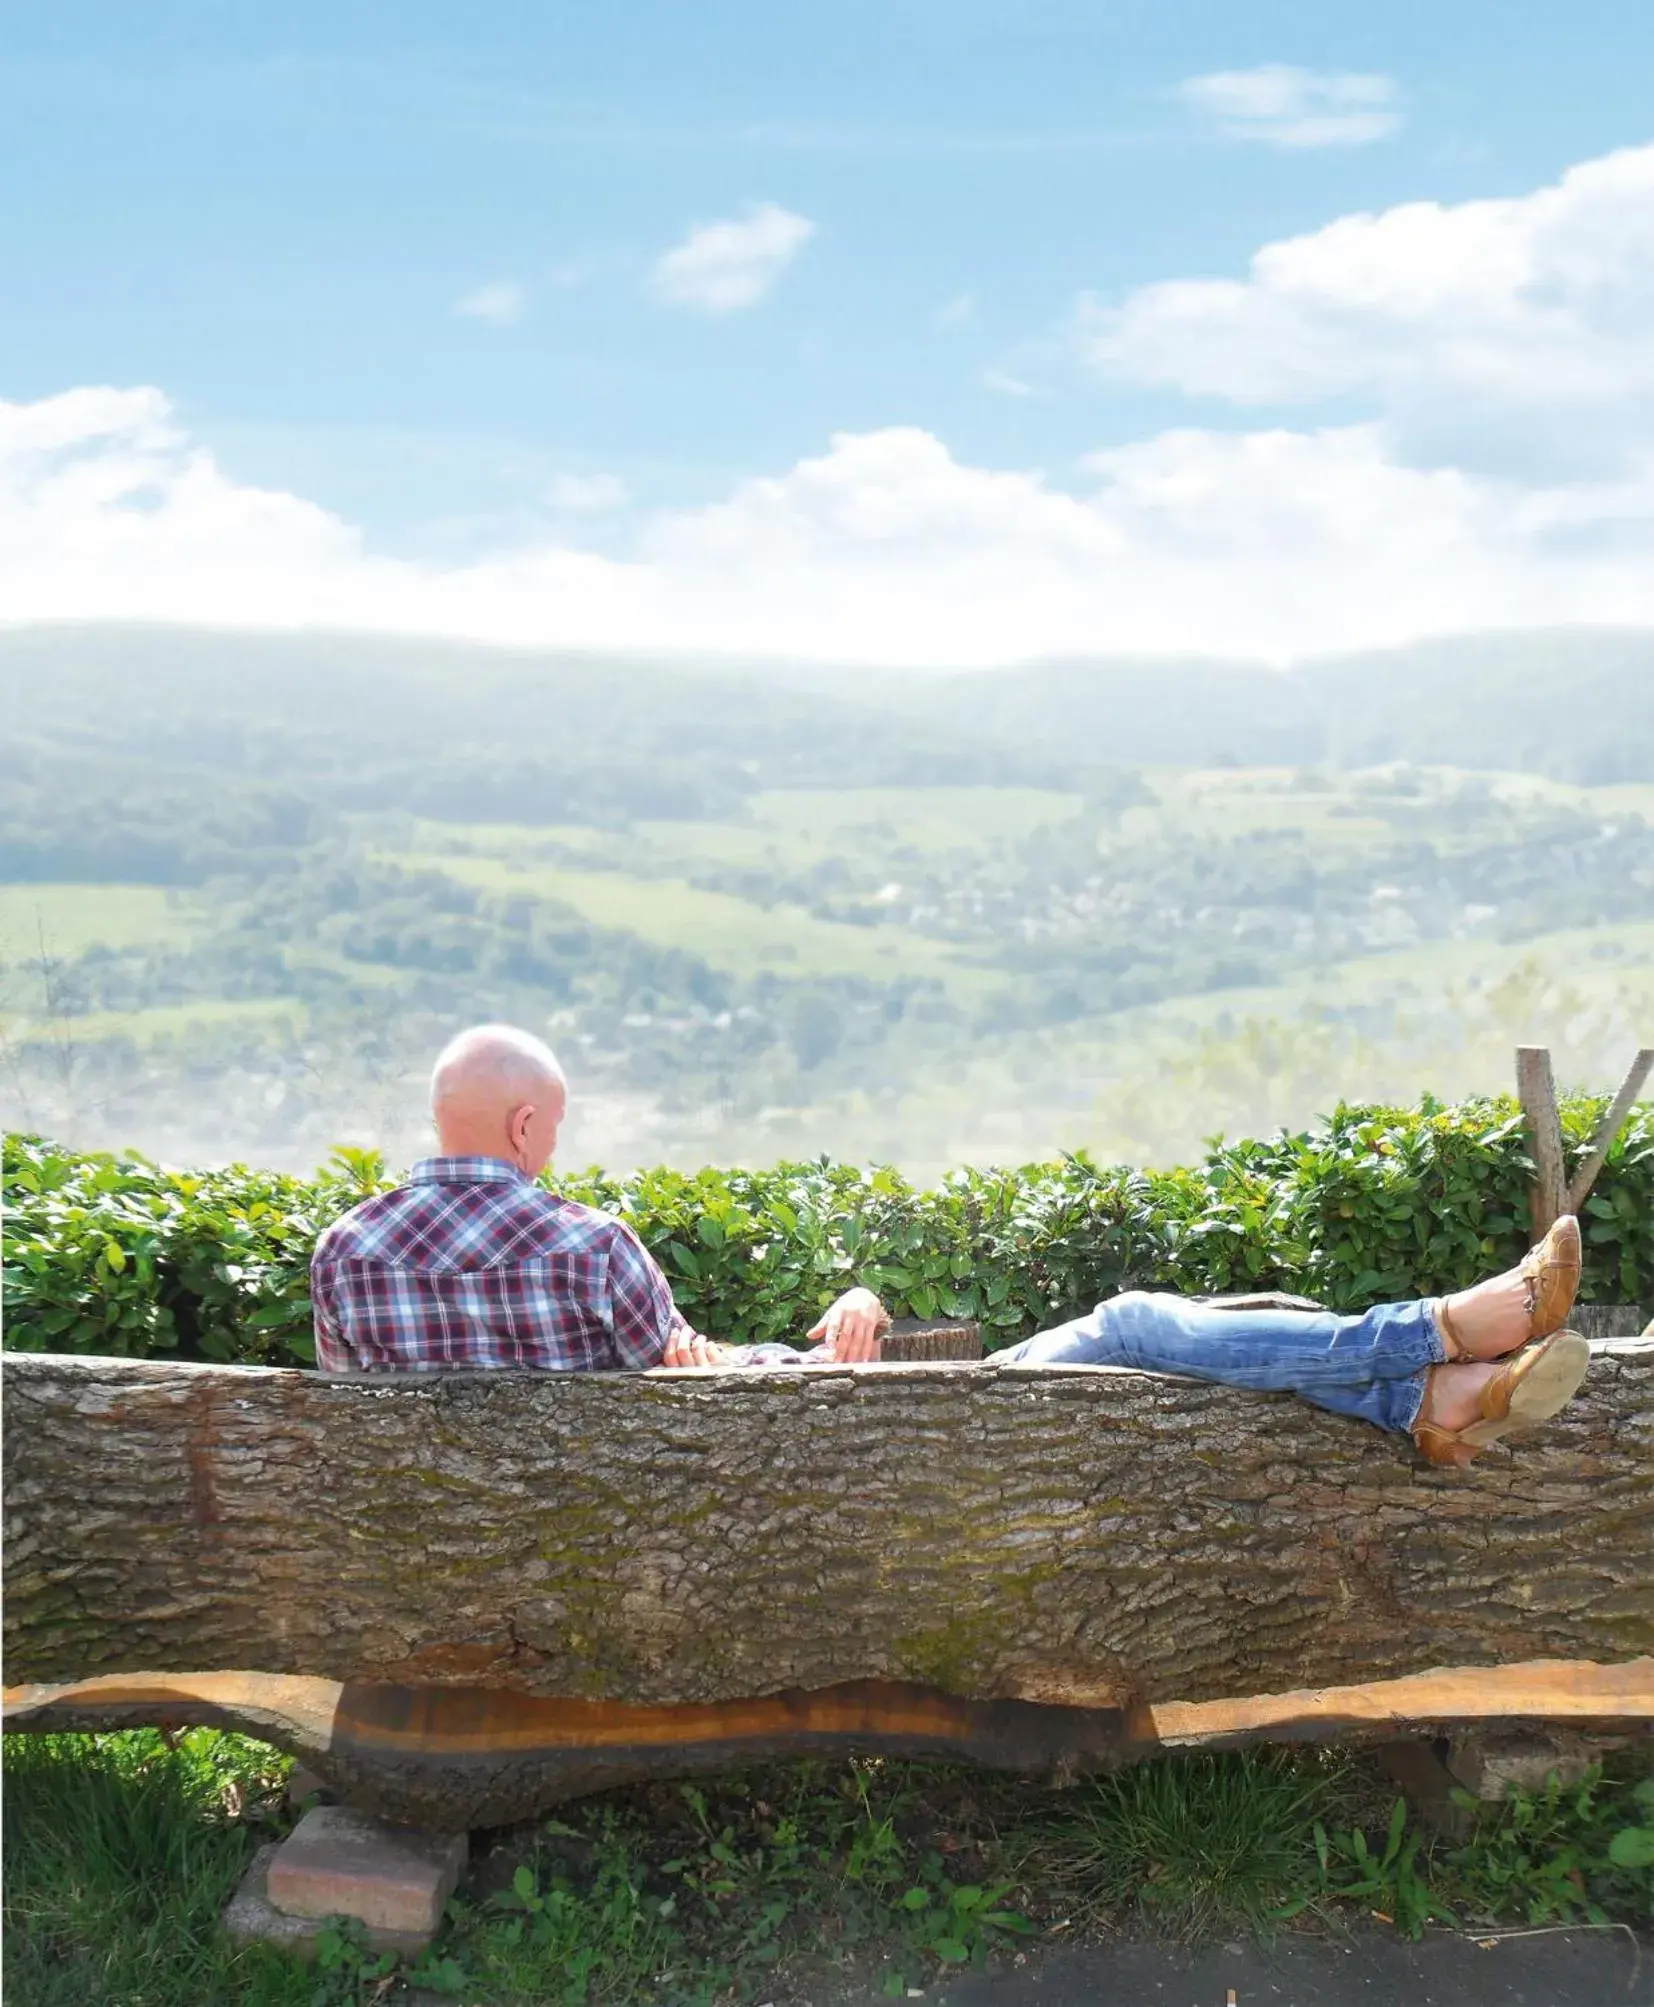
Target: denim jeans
{"x": 1372, "y": 1366}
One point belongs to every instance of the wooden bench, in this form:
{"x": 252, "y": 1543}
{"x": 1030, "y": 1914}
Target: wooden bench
{"x": 463, "y": 1597}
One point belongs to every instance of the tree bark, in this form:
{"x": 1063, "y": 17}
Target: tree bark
{"x": 1073, "y": 1536}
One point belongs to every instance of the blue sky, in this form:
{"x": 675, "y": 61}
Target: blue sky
{"x": 432, "y": 271}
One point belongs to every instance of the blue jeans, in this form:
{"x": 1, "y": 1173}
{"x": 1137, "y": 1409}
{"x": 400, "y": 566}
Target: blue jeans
{"x": 1372, "y": 1366}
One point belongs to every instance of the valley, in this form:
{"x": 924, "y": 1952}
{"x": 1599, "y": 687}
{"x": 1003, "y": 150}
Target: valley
{"x": 759, "y": 921}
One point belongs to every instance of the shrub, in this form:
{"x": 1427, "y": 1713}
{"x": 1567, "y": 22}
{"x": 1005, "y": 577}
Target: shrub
{"x": 113, "y": 1254}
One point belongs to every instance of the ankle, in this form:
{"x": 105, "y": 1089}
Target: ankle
{"x": 1487, "y": 1321}
{"x": 1453, "y": 1394}
{"x": 1441, "y": 1314}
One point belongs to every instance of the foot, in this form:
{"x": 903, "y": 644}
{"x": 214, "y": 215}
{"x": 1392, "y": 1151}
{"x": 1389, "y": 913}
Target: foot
{"x": 1452, "y": 1401}
{"x": 1529, "y": 1301}
{"x": 1467, "y": 1407}
{"x": 1488, "y": 1321}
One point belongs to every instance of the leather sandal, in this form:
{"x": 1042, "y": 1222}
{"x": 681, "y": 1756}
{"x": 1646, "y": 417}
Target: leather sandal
{"x": 1551, "y": 1272}
{"x": 1528, "y": 1389}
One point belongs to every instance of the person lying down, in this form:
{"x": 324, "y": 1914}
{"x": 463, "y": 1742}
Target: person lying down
{"x": 473, "y": 1263}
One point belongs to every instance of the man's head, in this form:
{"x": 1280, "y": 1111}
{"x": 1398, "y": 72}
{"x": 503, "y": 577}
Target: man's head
{"x": 498, "y": 1092}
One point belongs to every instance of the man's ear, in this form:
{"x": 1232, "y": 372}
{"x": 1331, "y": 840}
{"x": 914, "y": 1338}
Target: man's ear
{"x": 516, "y": 1128}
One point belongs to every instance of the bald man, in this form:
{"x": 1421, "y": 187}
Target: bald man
{"x": 473, "y": 1263}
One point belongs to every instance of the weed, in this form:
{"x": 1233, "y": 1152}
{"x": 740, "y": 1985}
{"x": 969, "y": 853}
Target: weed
{"x": 349, "y": 1972}
{"x": 1391, "y": 1883}
{"x": 1568, "y": 1853}
{"x": 1632, "y": 1847}
{"x": 954, "y": 1922}
{"x": 545, "y": 1938}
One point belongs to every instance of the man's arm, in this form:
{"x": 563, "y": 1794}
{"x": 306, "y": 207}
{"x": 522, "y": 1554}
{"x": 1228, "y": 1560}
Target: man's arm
{"x": 649, "y": 1329}
{"x": 332, "y": 1353}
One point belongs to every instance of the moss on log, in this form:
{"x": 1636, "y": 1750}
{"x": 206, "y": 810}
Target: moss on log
{"x": 1077, "y": 1537}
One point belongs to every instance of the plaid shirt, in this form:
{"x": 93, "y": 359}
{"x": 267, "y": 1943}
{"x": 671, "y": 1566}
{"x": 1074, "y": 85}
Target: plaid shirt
{"x": 470, "y": 1263}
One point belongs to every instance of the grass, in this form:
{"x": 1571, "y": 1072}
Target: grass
{"x": 924, "y": 819}
{"x": 786, "y": 829}
{"x": 122, "y": 1849}
{"x": 120, "y": 1853}
{"x": 167, "y": 1023}
{"x": 1197, "y": 1845}
{"x": 1595, "y": 966}
{"x": 1336, "y": 813}
{"x": 1634, "y": 797}
{"x": 728, "y": 932}
{"x": 790, "y": 830}
{"x": 44, "y": 924}
{"x": 71, "y": 918}
{"x": 1225, "y": 803}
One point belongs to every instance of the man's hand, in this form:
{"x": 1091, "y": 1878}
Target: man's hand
{"x": 688, "y": 1348}
{"x": 851, "y": 1330}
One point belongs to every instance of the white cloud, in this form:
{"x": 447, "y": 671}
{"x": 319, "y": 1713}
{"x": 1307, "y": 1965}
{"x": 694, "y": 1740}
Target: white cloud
{"x": 719, "y": 268}
{"x": 884, "y": 548}
{"x": 957, "y": 312}
{"x": 104, "y": 478}
{"x": 1276, "y": 540}
{"x": 502, "y": 303}
{"x": 1542, "y": 301}
{"x": 1284, "y": 106}
{"x": 587, "y": 494}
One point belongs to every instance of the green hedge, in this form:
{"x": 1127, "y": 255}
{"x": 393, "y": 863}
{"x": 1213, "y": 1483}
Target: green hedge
{"x": 112, "y": 1254}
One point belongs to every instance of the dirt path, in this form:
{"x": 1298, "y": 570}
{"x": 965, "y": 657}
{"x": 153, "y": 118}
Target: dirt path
{"x": 1568, "y": 1969}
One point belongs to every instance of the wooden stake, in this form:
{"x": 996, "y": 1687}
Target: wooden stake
{"x": 1612, "y": 1123}
{"x": 1536, "y": 1089}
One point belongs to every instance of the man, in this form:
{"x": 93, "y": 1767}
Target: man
{"x": 471, "y": 1263}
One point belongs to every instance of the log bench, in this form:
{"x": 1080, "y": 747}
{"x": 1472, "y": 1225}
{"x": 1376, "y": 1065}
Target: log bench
{"x": 463, "y": 1597}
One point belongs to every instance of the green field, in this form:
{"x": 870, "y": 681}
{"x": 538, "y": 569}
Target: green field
{"x": 1224, "y": 803}
{"x": 1350, "y": 813}
{"x": 1172, "y": 953}
{"x": 171, "y": 1023}
{"x": 725, "y": 931}
{"x": 67, "y": 919}
{"x": 1633, "y": 799}
{"x": 1151, "y": 1085}
{"x": 1592, "y": 962}
{"x": 784, "y": 829}
{"x": 932, "y": 818}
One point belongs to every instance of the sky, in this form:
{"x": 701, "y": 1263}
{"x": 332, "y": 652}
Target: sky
{"x": 915, "y": 333}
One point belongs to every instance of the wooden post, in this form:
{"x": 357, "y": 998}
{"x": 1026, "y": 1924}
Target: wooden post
{"x": 1536, "y": 1089}
{"x": 1612, "y": 1123}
